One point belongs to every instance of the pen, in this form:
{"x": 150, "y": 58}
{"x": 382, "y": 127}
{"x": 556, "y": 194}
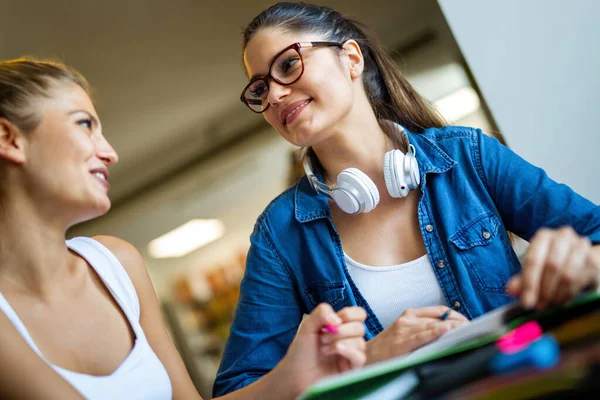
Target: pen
{"x": 445, "y": 315}
{"x": 329, "y": 328}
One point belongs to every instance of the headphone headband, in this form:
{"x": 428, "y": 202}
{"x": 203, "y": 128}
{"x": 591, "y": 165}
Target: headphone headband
{"x": 315, "y": 183}
{"x": 354, "y": 192}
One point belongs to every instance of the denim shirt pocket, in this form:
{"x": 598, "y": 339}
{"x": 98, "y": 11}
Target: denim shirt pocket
{"x": 485, "y": 252}
{"x": 333, "y": 293}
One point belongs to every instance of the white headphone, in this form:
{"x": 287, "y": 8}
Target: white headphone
{"x": 354, "y": 192}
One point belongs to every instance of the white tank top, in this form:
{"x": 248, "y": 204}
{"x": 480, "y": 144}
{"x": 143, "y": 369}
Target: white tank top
{"x": 141, "y": 375}
{"x": 391, "y": 290}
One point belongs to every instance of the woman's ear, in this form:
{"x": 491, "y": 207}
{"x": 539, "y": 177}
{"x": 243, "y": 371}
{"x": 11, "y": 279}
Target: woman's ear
{"x": 12, "y": 142}
{"x": 355, "y": 58}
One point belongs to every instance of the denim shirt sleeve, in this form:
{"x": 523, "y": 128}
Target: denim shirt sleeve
{"x": 527, "y": 198}
{"x": 266, "y": 319}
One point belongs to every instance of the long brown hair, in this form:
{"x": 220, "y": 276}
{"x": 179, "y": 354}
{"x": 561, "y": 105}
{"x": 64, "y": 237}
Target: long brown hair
{"x": 23, "y": 80}
{"x": 389, "y": 93}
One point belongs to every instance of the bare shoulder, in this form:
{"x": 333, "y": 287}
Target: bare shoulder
{"x": 130, "y": 258}
{"x": 122, "y": 249}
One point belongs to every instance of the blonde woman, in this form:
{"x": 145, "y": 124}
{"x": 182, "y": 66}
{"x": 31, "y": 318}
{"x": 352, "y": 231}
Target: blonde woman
{"x": 79, "y": 318}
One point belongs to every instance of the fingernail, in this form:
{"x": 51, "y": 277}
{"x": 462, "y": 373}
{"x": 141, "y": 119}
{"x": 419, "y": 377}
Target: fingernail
{"x": 340, "y": 346}
{"x": 509, "y": 288}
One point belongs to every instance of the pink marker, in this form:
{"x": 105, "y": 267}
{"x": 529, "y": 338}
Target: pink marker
{"x": 520, "y": 337}
{"x": 330, "y": 329}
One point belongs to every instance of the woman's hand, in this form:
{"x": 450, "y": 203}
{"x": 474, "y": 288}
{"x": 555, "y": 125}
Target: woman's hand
{"x": 413, "y": 329}
{"x": 316, "y": 353}
{"x": 559, "y": 264}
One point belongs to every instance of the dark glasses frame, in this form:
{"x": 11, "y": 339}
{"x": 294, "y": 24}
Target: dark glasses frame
{"x": 267, "y": 78}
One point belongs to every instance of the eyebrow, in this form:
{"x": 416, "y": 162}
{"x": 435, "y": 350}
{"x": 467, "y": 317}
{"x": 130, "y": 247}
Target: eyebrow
{"x": 256, "y": 76}
{"x": 94, "y": 119}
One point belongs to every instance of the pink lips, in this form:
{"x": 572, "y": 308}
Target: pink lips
{"x": 297, "y": 107}
{"x": 105, "y": 173}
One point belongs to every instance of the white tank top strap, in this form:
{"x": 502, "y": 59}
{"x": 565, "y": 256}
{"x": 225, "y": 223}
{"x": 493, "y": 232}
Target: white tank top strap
{"x": 110, "y": 270}
{"x": 18, "y": 324}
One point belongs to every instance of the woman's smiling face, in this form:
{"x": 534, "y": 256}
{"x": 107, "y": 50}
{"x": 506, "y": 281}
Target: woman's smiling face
{"x": 66, "y": 155}
{"x": 305, "y": 111}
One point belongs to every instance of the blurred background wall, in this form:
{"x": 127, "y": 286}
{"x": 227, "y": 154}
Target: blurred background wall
{"x": 538, "y": 68}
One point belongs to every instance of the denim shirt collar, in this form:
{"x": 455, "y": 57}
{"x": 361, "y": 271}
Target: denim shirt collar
{"x": 310, "y": 206}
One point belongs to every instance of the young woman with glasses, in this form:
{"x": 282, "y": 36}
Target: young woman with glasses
{"x": 80, "y": 317}
{"x": 399, "y": 213}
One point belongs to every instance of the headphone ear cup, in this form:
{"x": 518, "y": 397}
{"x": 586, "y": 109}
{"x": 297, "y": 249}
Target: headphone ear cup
{"x": 393, "y": 174}
{"x": 411, "y": 171}
{"x": 353, "y": 188}
{"x": 389, "y": 174}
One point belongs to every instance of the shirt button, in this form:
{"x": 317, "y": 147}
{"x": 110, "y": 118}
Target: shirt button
{"x": 429, "y": 228}
{"x": 456, "y": 305}
{"x": 486, "y": 235}
{"x": 441, "y": 264}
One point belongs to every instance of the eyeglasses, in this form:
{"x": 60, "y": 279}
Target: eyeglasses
{"x": 287, "y": 67}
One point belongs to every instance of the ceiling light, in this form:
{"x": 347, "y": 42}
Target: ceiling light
{"x": 458, "y": 104}
{"x": 186, "y": 238}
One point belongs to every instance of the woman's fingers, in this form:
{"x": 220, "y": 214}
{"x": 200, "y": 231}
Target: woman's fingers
{"x": 454, "y": 324}
{"x": 533, "y": 267}
{"x": 349, "y": 329}
{"x": 433, "y": 312}
{"x": 345, "y": 338}
{"x": 322, "y": 315}
{"x": 352, "y": 349}
{"x": 354, "y": 357}
{"x": 420, "y": 336}
{"x": 554, "y": 270}
{"x": 575, "y": 274}
{"x": 348, "y": 314}
{"x": 559, "y": 249}
{"x": 514, "y": 287}
{"x": 419, "y": 339}
{"x": 352, "y": 325}
{"x": 410, "y": 332}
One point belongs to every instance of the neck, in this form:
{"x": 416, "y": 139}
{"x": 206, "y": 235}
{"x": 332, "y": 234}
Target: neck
{"x": 33, "y": 255}
{"x": 358, "y": 142}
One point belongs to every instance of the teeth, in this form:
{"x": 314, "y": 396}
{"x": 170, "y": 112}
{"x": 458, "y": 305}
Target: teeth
{"x": 294, "y": 110}
{"x": 100, "y": 175}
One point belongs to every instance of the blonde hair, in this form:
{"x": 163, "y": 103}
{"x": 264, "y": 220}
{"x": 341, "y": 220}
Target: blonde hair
{"x": 26, "y": 79}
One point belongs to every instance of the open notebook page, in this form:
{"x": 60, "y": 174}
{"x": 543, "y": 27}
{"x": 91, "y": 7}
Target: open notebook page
{"x": 490, "y": 323}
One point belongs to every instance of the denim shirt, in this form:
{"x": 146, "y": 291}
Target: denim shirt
{"x": 473, "y": 189}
